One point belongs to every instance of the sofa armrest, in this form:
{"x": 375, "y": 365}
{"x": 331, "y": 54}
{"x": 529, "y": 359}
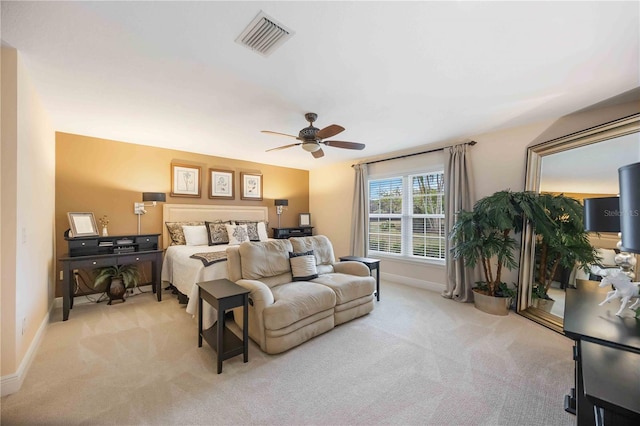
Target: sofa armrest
{"x": 260, "y": 296}
{"x": 352, "y": 268}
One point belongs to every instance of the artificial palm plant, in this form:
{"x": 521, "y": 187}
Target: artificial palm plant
{"x": 485, "y": 235}
{"x": 117, "y": 279}
{"x": 565, "y": 244}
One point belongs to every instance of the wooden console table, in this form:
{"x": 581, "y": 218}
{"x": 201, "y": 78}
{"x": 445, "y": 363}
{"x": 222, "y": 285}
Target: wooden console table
{"x": 607, "y": 356}
{"x": 98, "y": 252}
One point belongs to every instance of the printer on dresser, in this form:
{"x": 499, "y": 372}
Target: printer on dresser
{"x": 96, "y": 252}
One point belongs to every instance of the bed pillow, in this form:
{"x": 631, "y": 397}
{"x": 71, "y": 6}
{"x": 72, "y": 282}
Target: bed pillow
{"x": 195, "y": 235}
{"x": 303, "y": 266}
{"x": 237, "y": 234}
{"x": 217, "y": 232}
{"x": 257, "y": 230}
{"x": 175, "y": 231}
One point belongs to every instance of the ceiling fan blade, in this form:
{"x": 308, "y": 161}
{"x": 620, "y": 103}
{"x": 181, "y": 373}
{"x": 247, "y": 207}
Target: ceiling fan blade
{"x": 346, "y": 145}
{"x": 283, "y": 147}
{"x": 329, "y": 131}
{"x": 278, "y": 133}
{"x": 318, "y": 154}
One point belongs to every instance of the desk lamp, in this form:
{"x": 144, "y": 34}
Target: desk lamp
{"x": 629, "y": 179}
{"x": 154, "y": 197}
{"x": 603, "y": 215}
{"x": 279, "y": 205}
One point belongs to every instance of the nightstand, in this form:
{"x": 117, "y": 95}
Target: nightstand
{"x": 224, "y": 295}
{"x": 283, "y": 233}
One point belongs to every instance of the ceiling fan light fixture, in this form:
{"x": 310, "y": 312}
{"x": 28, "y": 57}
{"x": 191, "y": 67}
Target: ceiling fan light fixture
{"x": 310, "y": 146}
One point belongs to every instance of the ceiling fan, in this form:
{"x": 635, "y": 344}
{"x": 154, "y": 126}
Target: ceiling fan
{"x": 311, "y": 138}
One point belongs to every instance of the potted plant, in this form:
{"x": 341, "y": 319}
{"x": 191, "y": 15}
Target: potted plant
{"x": 117, "y": 279}
{"x": 485, "y": 236}
{"x": 562, "y": 244}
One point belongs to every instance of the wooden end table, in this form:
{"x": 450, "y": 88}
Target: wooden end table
{"x": 224, "y": 295}
{"x": 372, "y": 264}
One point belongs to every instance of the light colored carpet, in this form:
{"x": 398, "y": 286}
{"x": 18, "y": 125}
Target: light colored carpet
{"x": 416, "y": 359}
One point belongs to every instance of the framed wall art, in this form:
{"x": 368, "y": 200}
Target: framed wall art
{"x": 251, "y": 186}
{"x": 221, "y": 184}
{"x": 304, "y": 220}
{"x": 82, "y": 224}
{"x": 185, "y": 180}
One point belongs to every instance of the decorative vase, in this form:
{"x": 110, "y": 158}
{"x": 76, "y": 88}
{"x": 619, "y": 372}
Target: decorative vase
{"x": 116, "y": 290}
{"x": 104, "y": 231}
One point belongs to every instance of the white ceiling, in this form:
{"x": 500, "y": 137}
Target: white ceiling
{"x": 395, "y": 74}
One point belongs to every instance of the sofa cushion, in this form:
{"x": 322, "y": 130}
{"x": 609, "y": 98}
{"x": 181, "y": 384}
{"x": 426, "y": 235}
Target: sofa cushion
{"x": 322, "y": 249}
{"x": 295, "y": 302}
{"x": 303, "y": 266}
{"x": 347, "y": 287}
{"x": 265, "y": 259}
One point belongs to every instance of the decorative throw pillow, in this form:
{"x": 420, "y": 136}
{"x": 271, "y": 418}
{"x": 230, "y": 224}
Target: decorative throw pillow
{"x": 303, "y": 266}
{"x": 237, "y": 234}
{"x": 195, "y": 235}
{"x": 254, "y": 229}
{"x": 217, "y": 232}
{"x": 175, "y": 231}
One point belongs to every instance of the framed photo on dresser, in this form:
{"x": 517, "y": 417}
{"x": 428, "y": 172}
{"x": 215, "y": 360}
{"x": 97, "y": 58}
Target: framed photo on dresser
{"x": 83, "y": 224}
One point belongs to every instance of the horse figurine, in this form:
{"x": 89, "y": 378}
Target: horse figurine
{"x": 625, "y": 290}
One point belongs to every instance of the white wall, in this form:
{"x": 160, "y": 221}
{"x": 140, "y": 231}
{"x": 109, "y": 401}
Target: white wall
{"x": 28, "y": 291}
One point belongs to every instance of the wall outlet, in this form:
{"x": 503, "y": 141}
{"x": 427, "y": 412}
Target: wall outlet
{"x": 61, "y": 275}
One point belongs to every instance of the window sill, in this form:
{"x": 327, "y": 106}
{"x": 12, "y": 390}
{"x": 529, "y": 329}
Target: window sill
{"x": 407, "y": 260}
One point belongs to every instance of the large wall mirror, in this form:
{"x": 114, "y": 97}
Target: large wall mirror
{"x": 581, "y": 165}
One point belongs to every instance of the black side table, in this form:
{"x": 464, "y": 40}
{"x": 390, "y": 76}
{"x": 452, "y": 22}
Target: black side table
{"x": 372, "y": 264}
{"x": 224, "y": 295}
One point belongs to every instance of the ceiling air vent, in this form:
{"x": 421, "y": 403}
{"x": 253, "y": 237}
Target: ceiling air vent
{"x": 264, "y": 34}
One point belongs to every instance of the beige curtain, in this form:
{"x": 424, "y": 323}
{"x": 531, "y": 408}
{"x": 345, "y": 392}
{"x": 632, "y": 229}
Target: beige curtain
{"x": 359, "y": 217}
{"x": 458, "y": 196}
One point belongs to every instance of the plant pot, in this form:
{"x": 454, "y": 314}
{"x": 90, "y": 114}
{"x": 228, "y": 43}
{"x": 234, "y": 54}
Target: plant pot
{"x": 543, "y": 304}
{"x": 490, "y": 304}
{"x": 116, "y": 290}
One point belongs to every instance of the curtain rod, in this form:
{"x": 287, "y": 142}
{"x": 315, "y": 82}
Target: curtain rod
{"x": 472, "y": 143}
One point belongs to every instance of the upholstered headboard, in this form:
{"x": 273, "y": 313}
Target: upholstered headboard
{"x": 204, "y": 212}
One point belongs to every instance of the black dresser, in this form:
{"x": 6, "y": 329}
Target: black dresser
{"x": 607, "y": 358}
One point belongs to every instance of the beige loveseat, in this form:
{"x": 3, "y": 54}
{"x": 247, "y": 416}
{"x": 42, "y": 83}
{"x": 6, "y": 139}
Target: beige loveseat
{"x": 284, "y": 313}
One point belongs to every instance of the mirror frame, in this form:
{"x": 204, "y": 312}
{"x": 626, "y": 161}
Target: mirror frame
{"x": 535, "y": 154}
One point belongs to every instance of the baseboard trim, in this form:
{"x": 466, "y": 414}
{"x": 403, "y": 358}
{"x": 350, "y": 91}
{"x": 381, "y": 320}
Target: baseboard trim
{"x": 11, "y": 383}
{"x": 412, "y": 282}
{"x": 81, "y": 300}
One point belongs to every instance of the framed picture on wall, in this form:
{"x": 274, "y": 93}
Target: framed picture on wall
{"x": 82, "y": 224}
{"x": 221, "y": 183}
{"x": 185, "y": 180}
{"x": 251, "y": 186}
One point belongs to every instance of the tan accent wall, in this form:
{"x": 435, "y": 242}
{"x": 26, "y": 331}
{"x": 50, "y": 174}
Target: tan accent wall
{"x": 107, "y": 177}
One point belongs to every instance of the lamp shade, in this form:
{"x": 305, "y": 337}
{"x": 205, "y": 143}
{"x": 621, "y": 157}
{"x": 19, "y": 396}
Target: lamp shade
{"x": 629, "y": 179}
{"x": 281, "y": 202}
{"x": 602, "y": 214}
{"x": 154, "y": 196}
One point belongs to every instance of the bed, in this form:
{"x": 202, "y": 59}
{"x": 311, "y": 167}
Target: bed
{"x": 180, "y": 269}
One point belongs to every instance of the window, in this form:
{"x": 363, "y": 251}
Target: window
{"x": 406, "y": 216}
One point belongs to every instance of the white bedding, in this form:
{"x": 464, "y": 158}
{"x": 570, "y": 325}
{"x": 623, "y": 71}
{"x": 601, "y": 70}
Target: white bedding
{"x": 183, "y": 272}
